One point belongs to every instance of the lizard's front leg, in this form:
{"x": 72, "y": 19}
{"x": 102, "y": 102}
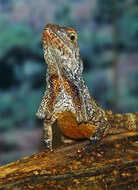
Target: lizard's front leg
{"x": 47, "y": 134}
{"x": 52, "y": 136}
{"x": 102, "y": 125}
{"x": 45, "y": 112}
{"x": 97, "y": 136}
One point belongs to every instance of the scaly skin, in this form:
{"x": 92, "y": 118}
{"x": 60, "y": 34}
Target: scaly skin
{"x": 67, "y": 98}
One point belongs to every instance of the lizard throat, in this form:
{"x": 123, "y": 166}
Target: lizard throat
{"x": 80, "y": 97}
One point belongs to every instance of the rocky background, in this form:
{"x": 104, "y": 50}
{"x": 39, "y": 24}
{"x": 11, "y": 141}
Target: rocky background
{"x": 108, "y": 37}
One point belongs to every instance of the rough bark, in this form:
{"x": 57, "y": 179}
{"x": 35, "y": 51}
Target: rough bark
{"x": 110, "y": 165}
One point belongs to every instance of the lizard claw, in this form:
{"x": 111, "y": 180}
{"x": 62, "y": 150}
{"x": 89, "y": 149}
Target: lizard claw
{"x": 94, "y": 140}
{"x": 92, "y": 145}
{"x": 47, "y": 143}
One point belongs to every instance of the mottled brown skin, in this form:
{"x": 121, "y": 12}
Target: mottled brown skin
{"x": 80, "y": 124}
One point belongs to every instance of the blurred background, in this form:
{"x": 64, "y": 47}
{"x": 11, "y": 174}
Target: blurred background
{"x": 108, "y": 38}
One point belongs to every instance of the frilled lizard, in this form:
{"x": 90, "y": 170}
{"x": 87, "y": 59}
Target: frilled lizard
{"x": 67, "y": 99}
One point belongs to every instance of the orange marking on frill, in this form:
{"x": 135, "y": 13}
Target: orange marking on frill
{"x": 71, "y": 91}
{"x": 70, "y": 127}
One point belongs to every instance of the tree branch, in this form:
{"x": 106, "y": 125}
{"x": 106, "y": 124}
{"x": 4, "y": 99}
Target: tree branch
{"x": 110, "y": 165}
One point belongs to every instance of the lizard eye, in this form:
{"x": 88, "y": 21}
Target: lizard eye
{"x": 72, "y": 37}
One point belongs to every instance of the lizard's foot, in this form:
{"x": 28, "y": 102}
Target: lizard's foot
{"x": 47, "y": 144}
{"x": 94, "y": 140}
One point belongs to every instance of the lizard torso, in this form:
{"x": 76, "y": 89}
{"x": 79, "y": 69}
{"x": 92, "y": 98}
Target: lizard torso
{"x": 67, "y": 98}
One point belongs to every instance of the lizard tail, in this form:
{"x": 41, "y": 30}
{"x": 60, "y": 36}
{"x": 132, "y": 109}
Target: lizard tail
{"x": 122, "y": 122}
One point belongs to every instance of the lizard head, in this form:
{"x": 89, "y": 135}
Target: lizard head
{"x": 61, "y": 49}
